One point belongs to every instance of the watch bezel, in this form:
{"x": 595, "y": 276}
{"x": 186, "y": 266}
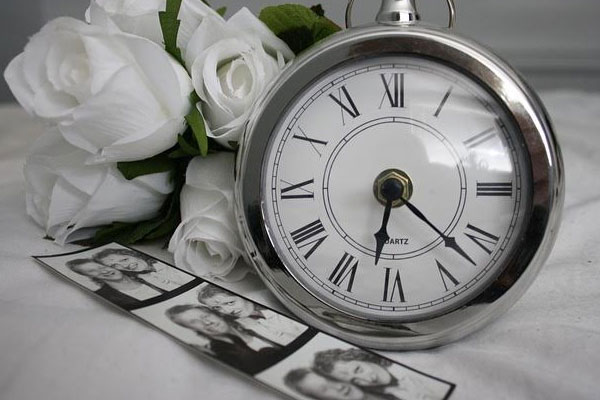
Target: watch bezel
{"x": 492, "y": 73}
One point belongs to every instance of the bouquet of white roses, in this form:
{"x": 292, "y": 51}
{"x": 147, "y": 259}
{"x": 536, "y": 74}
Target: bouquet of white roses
{"x": 144, "y": 105}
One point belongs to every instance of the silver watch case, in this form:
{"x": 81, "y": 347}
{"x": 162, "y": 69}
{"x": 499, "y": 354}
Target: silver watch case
{"x": 540, "y": 229}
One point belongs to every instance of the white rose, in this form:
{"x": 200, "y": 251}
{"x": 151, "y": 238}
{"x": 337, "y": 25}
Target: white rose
{"x": 140, "y": 17}
{"x": 207, "y": 242}
{"x": 118, "y": 96}
{"x": 71, "y": 200}
{"x": 232, "y": 63}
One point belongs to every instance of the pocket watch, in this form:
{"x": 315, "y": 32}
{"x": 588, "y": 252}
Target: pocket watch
{"x": 399, "y": 186}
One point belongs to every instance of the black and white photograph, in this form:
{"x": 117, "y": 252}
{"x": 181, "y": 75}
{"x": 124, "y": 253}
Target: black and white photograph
{"x": 329, "y": 369}
{"x": 266, "y": 324}
{"x": 125, "y": 277}
{"x": 217, "y": 330}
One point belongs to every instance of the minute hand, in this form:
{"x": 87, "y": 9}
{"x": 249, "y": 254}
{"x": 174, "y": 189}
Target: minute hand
{"x": 448, "y": 241}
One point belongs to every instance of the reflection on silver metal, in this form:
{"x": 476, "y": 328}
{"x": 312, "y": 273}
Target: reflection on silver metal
{"x": 400, "y": 12}
{"x": 538, "y": 140}
{"x": 396, "y": 12}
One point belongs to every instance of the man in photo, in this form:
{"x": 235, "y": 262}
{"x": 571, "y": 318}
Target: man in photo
{"x": 262, "y": 322}
{"x": 226, "y": 341}
{"x": 318, "y": 387}
{"x": 144, "y": 268}
{"x": 115, "y": 286}
{"x": 371, "y": 373}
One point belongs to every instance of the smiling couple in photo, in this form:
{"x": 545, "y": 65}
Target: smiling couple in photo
{"x": 128, "y": 278}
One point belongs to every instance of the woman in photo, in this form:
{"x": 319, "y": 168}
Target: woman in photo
{"x": 143, "y": 267}
{"x": 311, "y": 384}
{"x": 371, "y": 373}
{"x": 227, "y": 342}
{"x": 261, "y": 321}
{"x": 115, "y": 286}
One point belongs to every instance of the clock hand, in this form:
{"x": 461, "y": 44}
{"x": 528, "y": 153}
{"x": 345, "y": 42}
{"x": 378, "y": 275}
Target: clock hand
{"x": 448, "y": 241}
{"x": 391, "y": 190}
{"x": 382, "y": 236}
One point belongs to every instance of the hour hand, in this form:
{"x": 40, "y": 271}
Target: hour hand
{"x": 391, "y": 190}
{"x": 382, "y": 236}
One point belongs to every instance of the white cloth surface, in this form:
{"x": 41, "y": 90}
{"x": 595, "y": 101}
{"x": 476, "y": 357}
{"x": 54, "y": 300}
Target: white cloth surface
{"x": 57, "y": 342}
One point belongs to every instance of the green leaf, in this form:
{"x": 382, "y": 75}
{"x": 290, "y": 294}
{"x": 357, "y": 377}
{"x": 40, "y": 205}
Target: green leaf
{"x": 186, "y": 147}
{"x": 156, "y": 164}
{"x": 299, "y": 26}
{"x": 178, "y": 153}
{"x": 287, "y": 17}
{"x": 194, "y": 98}
{"x": 169, "y": 24}
{"x": 323, "y": 28}
{"x": 222, "y": 11}
{"x": 116, "y": 232}
{"x": 298, "y": 39}
{"x": 171, "y": 220}
{"x": 196, "y": 122}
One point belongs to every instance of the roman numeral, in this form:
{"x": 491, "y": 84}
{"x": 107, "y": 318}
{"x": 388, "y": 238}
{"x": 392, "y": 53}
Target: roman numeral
{"x": 443, "y": 103}
{"x": 395, "y": 95}
{"x": 315, "y": 143}
{"x": 345, "y": 271}
{"x": 297, "y": 191}
{"x": 392, "y": 288}
{"x": 482, "y": 238}
{"x": 311, "y": 236}
{"x": 501, "y": 189}
{"x": 346, "y": 103}
{"x": 444, "y": 274}
{"x": 481, "y": 138}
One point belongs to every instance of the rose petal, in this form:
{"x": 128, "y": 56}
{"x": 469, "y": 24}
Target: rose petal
{"x": 198, "y": 202}
{"x": 15, "y": 78}
{"x": 169, "y": 81}
{"x": 52, "y": 104}
{"x": 96, "y": 15}
{"x": 137, "y": 148}
{"x": 247, "y": 22}
{"x": 104, "y": 61}
{"x": 212, "y": 173}
{"x": 124, "y": 109}
{"x": 65, "y": 57}
{"x": 191, "y": 14}
{"x": 116, "y": 199}
{"x": 209, "y": 32}
{"x": 65, "y": 202}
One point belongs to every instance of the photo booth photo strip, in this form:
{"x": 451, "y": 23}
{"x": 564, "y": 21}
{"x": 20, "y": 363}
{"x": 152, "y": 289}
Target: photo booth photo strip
{"x": 275, "y": 350}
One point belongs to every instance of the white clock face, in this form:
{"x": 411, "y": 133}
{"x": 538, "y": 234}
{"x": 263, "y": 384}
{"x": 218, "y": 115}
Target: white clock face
{"x": 394, "y": 187}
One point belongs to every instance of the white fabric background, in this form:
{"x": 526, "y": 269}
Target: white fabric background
{"x": 57, "y": 342}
